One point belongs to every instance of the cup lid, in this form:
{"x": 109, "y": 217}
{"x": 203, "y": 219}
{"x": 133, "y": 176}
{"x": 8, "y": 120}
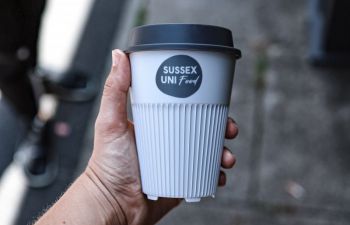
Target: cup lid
{"x": 181, "y": 37}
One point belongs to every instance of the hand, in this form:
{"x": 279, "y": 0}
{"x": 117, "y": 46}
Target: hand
{"x": 109, "y": 190}
{"x": 114, "y": 164}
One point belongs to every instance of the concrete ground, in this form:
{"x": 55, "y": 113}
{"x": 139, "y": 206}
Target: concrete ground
{"x": 293, "y": 149}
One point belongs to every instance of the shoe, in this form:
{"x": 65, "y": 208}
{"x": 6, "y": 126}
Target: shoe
{"x": 35, "y": 157}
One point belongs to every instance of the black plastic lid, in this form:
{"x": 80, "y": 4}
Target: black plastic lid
{"x": 182, "y": 37}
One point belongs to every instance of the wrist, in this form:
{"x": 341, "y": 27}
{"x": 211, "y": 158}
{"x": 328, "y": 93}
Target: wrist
{"x": 128, "y": 204}
{"x": 108, "y": 206}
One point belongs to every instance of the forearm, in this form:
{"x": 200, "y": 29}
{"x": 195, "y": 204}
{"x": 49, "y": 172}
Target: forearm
{"x": 85, "y": 202}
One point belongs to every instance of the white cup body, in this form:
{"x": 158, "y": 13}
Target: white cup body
{"x": 180, "y": 139}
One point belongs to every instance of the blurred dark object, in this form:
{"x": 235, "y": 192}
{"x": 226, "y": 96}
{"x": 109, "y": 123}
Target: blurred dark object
{"x": 36, "y": 157}
{"x": 19, "y": 22}
{"x": 73, "y": 85}
{"x": 12, "y": 131}
{"x": 330, "y": 33}
{"x": 16, "y": 86}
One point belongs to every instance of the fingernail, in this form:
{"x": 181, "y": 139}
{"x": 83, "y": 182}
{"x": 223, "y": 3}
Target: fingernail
{"x": 115, "y": 57}
{"x": 234, "y": 123}
{"x": 232, "y": 120}
{"x": 228, "y": 149}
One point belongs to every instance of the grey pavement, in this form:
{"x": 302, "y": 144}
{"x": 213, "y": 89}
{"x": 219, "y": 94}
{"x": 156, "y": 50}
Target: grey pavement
{"x": 293, "y": 149}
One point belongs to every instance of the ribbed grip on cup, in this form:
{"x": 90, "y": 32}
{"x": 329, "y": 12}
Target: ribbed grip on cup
{"x": 179, "y": 148}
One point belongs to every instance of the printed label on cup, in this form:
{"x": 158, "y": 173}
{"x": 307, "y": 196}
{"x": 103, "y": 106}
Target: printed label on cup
{"x": 179, "y": 76}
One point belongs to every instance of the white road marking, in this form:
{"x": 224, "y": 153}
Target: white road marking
{"x": 13, "y": 188}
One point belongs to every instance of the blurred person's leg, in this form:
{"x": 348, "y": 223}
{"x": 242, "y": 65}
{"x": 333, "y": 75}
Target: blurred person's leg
{"x": 19, "y": 24}
{"x": 19, "y": 31}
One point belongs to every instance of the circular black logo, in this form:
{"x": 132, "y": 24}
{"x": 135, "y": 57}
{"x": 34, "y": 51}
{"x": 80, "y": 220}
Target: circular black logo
{"x": 179, "y": 76}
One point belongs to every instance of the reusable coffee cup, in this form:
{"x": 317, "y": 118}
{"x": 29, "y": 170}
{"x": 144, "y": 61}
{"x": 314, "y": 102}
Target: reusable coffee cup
{"x": 181, "y": 85}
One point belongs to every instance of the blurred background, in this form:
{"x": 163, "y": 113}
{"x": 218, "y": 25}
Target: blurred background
{"x": 291, "y": 100}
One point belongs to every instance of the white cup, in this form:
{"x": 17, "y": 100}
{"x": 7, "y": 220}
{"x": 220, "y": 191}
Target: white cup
{"x": 180, "y": 97}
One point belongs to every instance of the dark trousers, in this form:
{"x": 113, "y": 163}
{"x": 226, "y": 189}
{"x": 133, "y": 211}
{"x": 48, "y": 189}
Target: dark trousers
{"x": 19, "y": 28}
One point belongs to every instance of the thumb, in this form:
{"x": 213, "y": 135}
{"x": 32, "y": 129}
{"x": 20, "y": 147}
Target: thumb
{"x": 112, "y": 120}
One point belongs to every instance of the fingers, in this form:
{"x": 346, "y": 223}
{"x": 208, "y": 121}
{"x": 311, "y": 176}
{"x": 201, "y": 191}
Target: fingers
{"x": 231, "y": 129}
{"x": 228, "y": 160}
{"x": 112, "y": 117}
{"x": 222, "y": 179}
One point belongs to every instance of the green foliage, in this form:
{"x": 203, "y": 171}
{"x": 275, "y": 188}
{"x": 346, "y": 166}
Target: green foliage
{"x": 261, "y": 66}
{"x": 141, "y": 15}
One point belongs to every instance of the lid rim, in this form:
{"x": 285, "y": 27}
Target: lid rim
{"x": 184, "y": 46}
{"x": 181, "y": 24}
{"x": 182, "y": 36}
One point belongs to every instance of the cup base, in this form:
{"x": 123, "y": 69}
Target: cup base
{"x": 190, "y": 200}
{"x": 153, "y": 198}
